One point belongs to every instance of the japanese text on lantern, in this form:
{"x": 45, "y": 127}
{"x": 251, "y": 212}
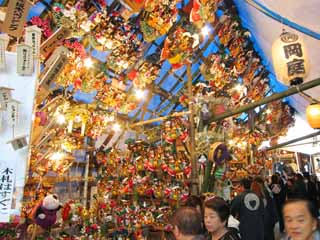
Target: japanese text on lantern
{"x": 296, "y": 66}
{"x": 6, "y": 189}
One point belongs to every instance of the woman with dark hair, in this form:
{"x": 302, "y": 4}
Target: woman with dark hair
{"x": 216, "y": 214}
{"x": 279, "y": 193}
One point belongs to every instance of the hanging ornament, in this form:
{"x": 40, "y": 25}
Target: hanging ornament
{"x": 51, "y": 72}
{"x": 5, "y": 97}
{"x": 13, "y": 112}
{"x": 4, "y": 40}
{"x": 50, "y": 44}
{"x": 290, "y": 59}
{"x": 33, "y": 38}
{"x": 18, "y": 142}
{"x": 15, "y": 17}
{"x": 313, "y": 115}
{"x": 24, "y": 59}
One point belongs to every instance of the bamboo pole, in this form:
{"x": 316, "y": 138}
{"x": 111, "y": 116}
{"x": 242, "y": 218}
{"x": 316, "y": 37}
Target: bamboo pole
{"x": 194, "y": 167}
{"x": 177, "y": 114}
{"x": 273, "y": 97}
{"x": 293, "y": 141}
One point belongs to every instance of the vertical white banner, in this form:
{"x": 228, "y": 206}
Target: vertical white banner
{"x": 23, "y": 91}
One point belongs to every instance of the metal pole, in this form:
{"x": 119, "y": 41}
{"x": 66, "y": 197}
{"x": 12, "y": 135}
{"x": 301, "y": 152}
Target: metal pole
{"x": 273, "y": 97}
{"x": 293, "y": 141}
{"x": 194, "y": 167}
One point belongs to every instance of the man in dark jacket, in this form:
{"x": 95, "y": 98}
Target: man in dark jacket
{"x": 247, "y": 207}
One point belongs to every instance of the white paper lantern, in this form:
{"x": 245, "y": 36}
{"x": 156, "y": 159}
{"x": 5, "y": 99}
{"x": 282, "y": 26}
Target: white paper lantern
{"x": 290, "y": 59}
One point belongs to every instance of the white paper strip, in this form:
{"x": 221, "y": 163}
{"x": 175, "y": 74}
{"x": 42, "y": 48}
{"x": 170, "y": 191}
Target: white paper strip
{"x": 24, "y": 59}
{"x": 7, "y": 183}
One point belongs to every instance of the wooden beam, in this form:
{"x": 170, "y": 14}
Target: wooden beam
{"x": 177, "y": 114}
{"x": 273, "y": 97}
{"x": 293, "y": 141}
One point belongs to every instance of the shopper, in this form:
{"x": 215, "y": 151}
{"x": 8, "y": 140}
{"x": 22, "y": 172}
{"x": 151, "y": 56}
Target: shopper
{"x": 187, "y": 224}
{"x": 300, "y": 219}
{"x": 216, "y": 214}
{"x": 278, "y": 189}
{"x": 247, "y": 207}
{"x": 299, "y": 188}
{"x": 270, "y": 216}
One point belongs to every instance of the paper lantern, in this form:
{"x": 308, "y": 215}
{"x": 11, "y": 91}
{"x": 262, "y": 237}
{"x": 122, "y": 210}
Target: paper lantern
{"x": 290, "y": 59}
{"x": 313, "y": 115}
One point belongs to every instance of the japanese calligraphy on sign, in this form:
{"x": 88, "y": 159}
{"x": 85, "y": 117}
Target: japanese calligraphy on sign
{"x": 49, "y": 45}
{"x": 16, "y": 16}
{"x": 5, "y": 96}
{"x": 13, "y": 112}
{"x": 53, "y": 71}
{"x": 4, "y": 40}
{"x": 7, "y": 181}
{"x": 33, "y": 38}
{"x": 24, "y": 59}
{"x": 289, "y": 58}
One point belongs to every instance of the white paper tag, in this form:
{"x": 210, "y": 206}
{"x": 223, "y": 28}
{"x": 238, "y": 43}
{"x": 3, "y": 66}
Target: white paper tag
{"x": 33, "y": 38}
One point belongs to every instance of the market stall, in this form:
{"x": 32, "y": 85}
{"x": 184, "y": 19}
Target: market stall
{"x": 127, "y": 108}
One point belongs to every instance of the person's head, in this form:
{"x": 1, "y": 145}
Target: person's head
{"x": 216, "y": 214}
{"x": 245, "y": 184}
{"x": 300, "y": 219}
{"x": 196, "y": 202}
{"x": 186, "y": 223}
{"x": 257, "y": 188}
{"x": 298, "y": 177}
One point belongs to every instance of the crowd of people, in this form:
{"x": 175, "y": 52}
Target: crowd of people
{"x": 253, "y": 213}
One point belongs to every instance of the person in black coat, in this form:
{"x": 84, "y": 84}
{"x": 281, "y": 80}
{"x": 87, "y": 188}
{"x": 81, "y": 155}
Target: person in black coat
{"x": 247, "y": 207}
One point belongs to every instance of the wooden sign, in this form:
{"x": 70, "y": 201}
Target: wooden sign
{"x": 18, "y": 142}
{"x": 13, "y": 112}
{"x": 51, "y": 43}
{"x": 5, "y": 97}
{"x": 33, "y": 38}
{"x": 24, "y": 59}
{"x": 4, "y": 40}
{"x": 15, "y": 18}
{"x": 56, "y": 53}
{"x": 51, "y": 72}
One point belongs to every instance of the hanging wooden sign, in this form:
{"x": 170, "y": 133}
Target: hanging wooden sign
{"x": 18, "y": 142}
{"x": 51, "y": 43}
{"x": 24, "y": 59}
{"x": 15, "y": 18}
{"x": 4, "y": 40}
{"x": 13, "y": 113}
{"x": 33, "y": 38}
{"x": 51, "y": 72}
{"x": 56, "y": 53}
{"x": 5, "y": 97}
